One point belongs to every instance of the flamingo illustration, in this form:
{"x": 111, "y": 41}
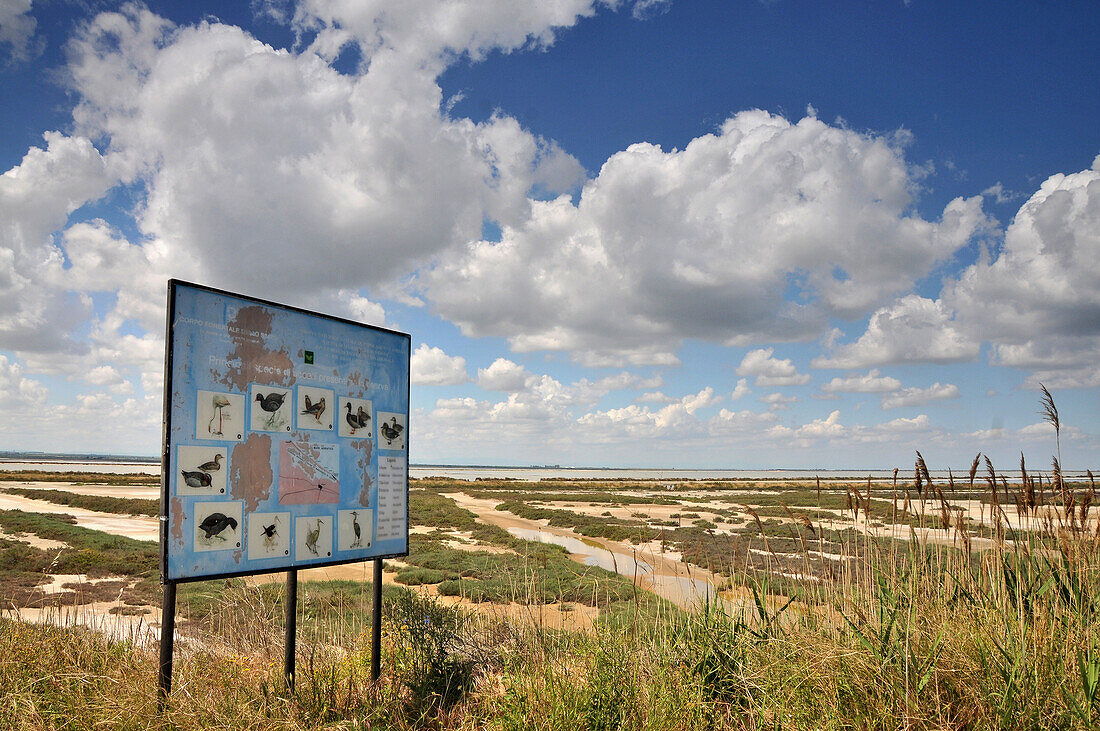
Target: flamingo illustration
{"x": 219, "y": 402}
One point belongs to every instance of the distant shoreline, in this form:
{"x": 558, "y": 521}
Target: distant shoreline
{"x": 127, "y": 465}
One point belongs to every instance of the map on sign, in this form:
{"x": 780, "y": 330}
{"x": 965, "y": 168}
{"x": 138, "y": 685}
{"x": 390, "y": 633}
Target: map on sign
{"x": 286, "y": 443}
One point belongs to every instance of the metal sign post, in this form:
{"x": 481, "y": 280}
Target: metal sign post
{"x": 291, "y": 627}
{"x": 167, "y": 637}
{"x": 376, "y": 623}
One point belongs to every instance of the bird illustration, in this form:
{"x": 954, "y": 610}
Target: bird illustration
{"x": 392, "y": 430}
{"x": 212, "y": 466}
{"x": 219, "y": 402}
{"x": 271, "y": 404}
{"x": 315, "y": 409}
{"x": 269, "y": 532}
{"x": 215, "y": 523}
{"x": 355, "y": 527}
{"x": 196, "y": 479}
{"x": 357, "y": 420}
{"x": 311, "y": 538}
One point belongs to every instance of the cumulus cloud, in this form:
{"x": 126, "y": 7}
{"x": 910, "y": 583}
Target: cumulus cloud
{"x": 778, "y": 400}
{"x": 871, "y": 382}
{"x": 503, "y": 375}
{"x": 432, "y": 367}
{"x": 771, "y": 371}
{"x": 741, "y": 389}
{"x": 920, "y": 396}
{"x": 428, "y": 34}
{"x": 1036, "y": 300}
{"x": 16, "y": 390}
{"x": 913, "y": 329}
{"x": 17, "y": 27}
{"x": 704, "y": 243}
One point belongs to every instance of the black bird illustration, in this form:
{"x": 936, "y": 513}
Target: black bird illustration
{"x": 269, "y": 532}
{"x": 355, "y": 527}
{"x": 215, "y": 523}
{"x": 315, "y": 409}
{"x": 271, "y": 402}
{"x": 358, "y": 420}
{"x": 392, "y": 430}
{"x": 196, "y": 479}
{"x": 213, "y": 466}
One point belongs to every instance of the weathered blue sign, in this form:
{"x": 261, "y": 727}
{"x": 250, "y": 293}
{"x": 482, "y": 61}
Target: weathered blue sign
{"x": 286, "y": 438}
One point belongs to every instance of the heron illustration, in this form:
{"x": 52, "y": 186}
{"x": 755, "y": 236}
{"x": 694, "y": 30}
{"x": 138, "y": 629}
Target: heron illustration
{"x": 358, "y": 542}
{"x": 311, "y": 538}
{"x": 219, "y": 402}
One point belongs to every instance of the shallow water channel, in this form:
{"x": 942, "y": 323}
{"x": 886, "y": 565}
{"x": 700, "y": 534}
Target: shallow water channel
{"x": 684, "y": 591}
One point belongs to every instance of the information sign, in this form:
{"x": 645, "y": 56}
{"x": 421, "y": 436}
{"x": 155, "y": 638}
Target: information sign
{"x": 286, "y": 438}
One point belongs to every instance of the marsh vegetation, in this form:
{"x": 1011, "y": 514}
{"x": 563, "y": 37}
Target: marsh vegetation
{"x": 970, "y": 602}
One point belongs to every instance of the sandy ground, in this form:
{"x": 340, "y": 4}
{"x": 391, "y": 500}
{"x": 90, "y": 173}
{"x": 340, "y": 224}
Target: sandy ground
{"x": 138, "y": 491}
{"x": 45, "y": 544}
{"x": 142, "y": 528}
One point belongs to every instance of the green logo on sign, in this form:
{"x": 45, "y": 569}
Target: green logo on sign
{"x": 309, "y": 357}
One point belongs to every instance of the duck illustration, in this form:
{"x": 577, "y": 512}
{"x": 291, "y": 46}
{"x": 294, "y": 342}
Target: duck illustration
{"x": 215, "y": 523}
{"x": 357, "y": 420}
{"x": 315, "y": 409}
{"x": 212, "y": 466}
{"x": 392, "y": 430}
{"x": 271, "y": 403}
{"x": 196, "y": 479}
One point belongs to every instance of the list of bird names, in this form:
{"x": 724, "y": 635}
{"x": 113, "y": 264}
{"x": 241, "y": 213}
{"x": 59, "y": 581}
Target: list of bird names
{"x": 392, "y": 483}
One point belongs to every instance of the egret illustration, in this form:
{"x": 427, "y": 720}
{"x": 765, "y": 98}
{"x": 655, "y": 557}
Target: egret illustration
{"x": 312, "y": 536}
{"x": 212, "y": 466}
{"x": 392, "y": 430}
{"x": 219, "y": 402}
{"x": 195, "y": 479}
{"x": 357, "y": 420}
{"x": 358, "y": 542}
{"x": 271, "y": 403}
{"x": 213, "y": 525}
{"x": 314, "y": 409}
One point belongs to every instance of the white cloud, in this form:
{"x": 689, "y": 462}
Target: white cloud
{"x": 36, "y": 197}
{"x": 16, "y": 390}
{"x": 655, "y": 397}
{"x": 425, "y": 34}
{"x": 741, "y": 389}
{"x": 249, "y": 152}
{"x": 17, "y": 27}
{"x": 920, "y": 396}
{"x": 921, "y": 422}
{"x": 912, "y": 330}
{"x": 771, "y": 371}
{"x": 703, "y": 243}
{"x": 1038, "y": 300}
{"x": 778, "y": 400}
{"x": 503, "y": 375}
{"x": 872, "y": 382}
{"x": 432, "y": 367}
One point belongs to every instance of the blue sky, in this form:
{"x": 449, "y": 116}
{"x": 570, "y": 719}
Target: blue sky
{"x": 694, "y": 234}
